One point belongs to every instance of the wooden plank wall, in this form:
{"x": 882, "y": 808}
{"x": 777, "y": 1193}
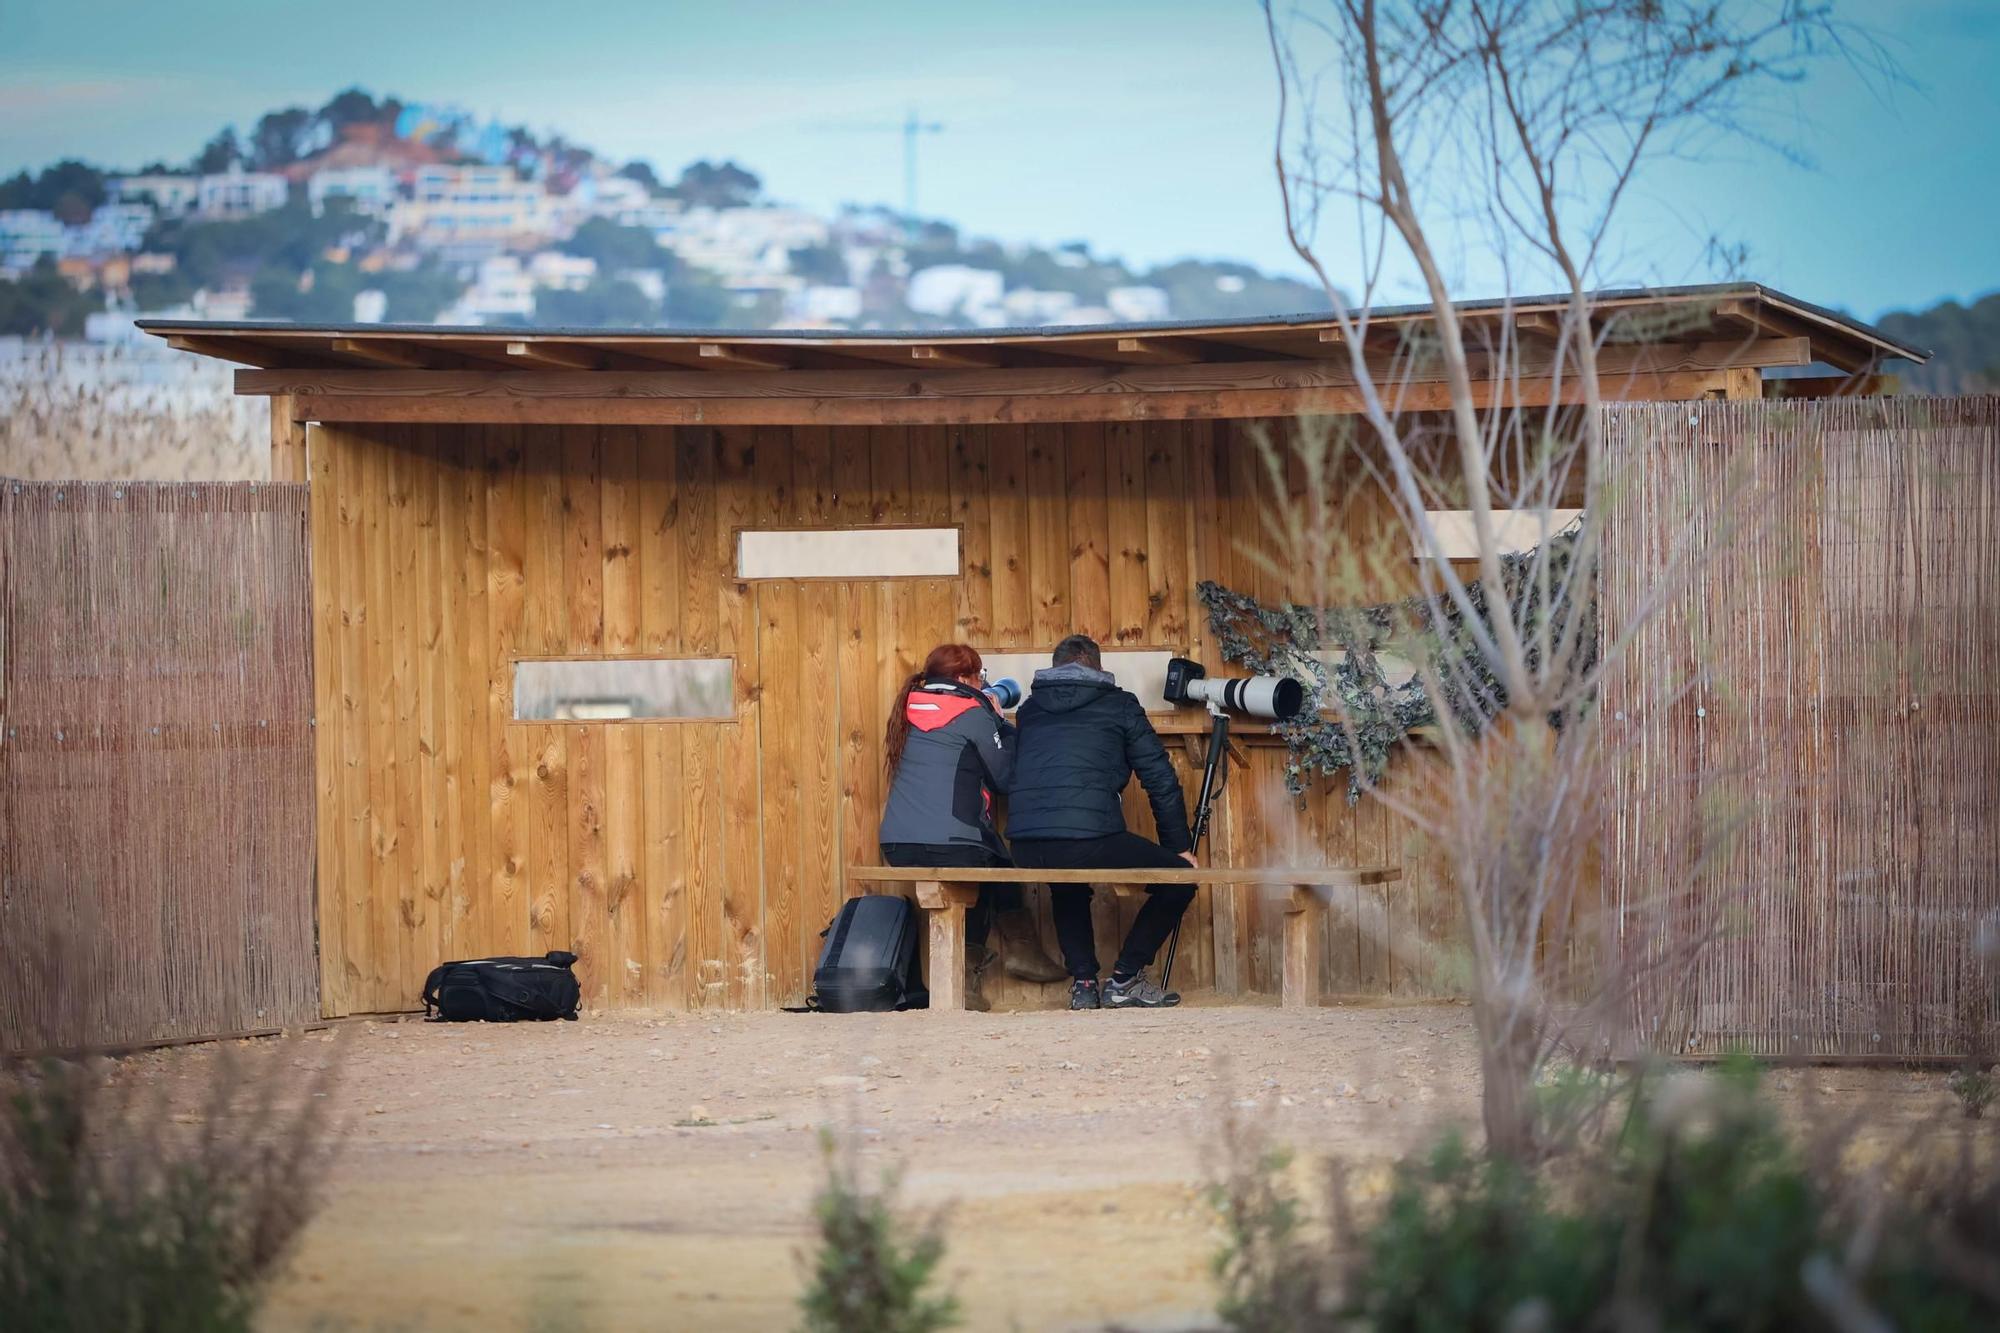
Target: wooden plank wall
{"x": 695, "y": 863}
{"x": 156, "y": 780}
{"x": 1805, "y": 733}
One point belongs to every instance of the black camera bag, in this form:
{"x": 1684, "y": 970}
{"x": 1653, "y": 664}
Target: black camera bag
{"x": 504, "y": 990}
{"x": 869, "y": 962}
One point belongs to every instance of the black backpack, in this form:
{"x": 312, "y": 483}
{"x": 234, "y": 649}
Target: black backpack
{"x": 869, "y": 961}
{"x": 504, "y": 990}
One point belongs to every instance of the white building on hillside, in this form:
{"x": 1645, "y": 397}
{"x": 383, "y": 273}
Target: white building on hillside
{"x": 26, "y": 234}
{"x": 817, "y": 307}
{"x": 113, "y": 229}
{"x": 945, "y": 289}
{"x": 368, "y": 190}
{"x": 600, "y": 197}
{"x": 502, "y": 291}
{"x": 471, "y": 212}
{"x": 1026, "y": 305}
{"x": 553, "y": 268}
{"x": 1138, "y": 305}
{"x": 173, "y": 196}
{"x": 746, "y": 247}
{"x": 237, "y": 193}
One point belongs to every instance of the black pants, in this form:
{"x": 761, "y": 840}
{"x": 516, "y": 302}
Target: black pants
{"x": 1070, "y": 903}
{"x": 992, "y": 897}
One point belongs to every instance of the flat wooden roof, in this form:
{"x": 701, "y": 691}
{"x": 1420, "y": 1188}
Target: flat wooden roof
{"x": 1658, "y": 344}
{"x": 1681, "y": 315}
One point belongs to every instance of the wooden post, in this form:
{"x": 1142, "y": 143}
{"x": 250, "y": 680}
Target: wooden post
{"x": 945, "y": 905}
{"x": 1305, "y": 932}
{"x": 288, "y": 441}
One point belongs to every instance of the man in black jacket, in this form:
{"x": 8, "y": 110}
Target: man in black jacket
{"x": 1081, "y": 739}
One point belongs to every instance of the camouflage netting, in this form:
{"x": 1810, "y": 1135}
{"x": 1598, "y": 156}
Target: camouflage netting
{"x": 1338, "y": 655}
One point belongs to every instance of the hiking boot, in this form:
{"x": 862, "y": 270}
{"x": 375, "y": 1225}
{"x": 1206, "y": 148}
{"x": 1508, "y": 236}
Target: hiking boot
{"x": 1083, "y": 995}
{"x": 1138, "y": 993}
{"x": 1021, "y": 952}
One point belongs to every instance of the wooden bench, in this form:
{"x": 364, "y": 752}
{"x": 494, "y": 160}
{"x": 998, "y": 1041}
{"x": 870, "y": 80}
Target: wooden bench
{"x": 944, "y": 892}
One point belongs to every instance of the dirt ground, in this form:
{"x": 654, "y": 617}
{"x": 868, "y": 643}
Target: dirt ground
{"x": 656, "y": 1171}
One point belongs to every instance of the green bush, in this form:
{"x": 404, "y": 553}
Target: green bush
{"x": 110, "y": 1218}
{"x": 1697, "y": 1212}
{"x": 873, "y": 1271}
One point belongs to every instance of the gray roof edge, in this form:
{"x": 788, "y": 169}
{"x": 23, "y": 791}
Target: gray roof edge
{"x": 1891, "y": 346}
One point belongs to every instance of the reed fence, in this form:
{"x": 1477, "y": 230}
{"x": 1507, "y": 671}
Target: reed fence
{"x": 1804, "y": 849}
{"x": 156, "y": 801}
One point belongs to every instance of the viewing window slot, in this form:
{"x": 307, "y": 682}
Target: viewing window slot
{"x": 625, "y": 689}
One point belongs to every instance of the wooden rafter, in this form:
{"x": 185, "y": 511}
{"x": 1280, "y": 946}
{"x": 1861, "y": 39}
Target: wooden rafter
{"x": 558, "y": 356}
{"x": 725, "y": 356}
{"x": 376, "y": 352}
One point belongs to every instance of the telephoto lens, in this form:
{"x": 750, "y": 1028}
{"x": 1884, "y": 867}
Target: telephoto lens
{"x": 1004, "y": 692}
{"x": 1279, "y": 698}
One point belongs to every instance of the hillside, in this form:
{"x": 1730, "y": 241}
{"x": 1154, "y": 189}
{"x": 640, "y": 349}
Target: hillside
{"x": 1964, "y": 341}
{"x": 369, "y": 208}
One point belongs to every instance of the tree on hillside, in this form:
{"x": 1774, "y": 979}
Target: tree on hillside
{"x": 1207, "y": 290}
{"x": 706, "y": 184}
{"x": 43, "y": 302}
{"x": 616, "y": 248}
{"x": 70, "y": 189}
{"x": 291, "y": 238}
{"x": 1964, "y": 342}
{"x": 353, "y": 106}
{"x": 643, "y": 173}
{"x": 283, "y": 137}
{"x": 605, "y": 303}
{"x": 220, "y": 153}
{"x": 820, "y": 264}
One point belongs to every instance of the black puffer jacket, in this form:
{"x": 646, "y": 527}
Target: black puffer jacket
{"x": 1081, "y": 740}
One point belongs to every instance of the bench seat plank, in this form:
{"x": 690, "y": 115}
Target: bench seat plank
{"x": 1322, "y": 876}
{"x": 946, "y": 892}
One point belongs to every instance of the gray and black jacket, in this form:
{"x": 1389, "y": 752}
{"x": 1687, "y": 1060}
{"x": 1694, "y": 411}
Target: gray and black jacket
{"x": 959, "y": 753}
{"x": 1082, "y": 739}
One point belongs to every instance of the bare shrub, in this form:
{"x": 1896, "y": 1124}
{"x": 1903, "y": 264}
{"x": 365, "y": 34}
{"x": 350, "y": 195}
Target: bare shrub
{"x": 1517, "y": 127}
{"x": 116, "y": 1212}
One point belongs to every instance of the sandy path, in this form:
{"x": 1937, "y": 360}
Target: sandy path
{"x": 548, "y": 1176}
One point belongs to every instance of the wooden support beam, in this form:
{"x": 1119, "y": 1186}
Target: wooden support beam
{"x": 954, "y": 358}
{"x": 721, "y": 356}
{"x": 227, "y": 350}
{"x": 518, "y": 404}
{"x": 556, "y": 355}
{"x": 288, "y": 441}
{"x": 1305, "y": 934}
{"x": 1155, "y": 352}
{"x": 945, "y": 906}
{"x": 393, "y": 355}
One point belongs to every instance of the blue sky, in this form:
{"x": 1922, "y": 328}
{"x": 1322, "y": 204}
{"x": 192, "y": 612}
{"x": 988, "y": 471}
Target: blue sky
{"x": 1143, "y": 127}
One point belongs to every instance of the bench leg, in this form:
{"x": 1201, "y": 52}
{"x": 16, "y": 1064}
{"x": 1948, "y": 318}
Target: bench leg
{"x": 1305, "y": 932}
{"x": 945, "y": 906}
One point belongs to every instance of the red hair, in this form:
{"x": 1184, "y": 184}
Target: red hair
{"x": 949, "y": 661}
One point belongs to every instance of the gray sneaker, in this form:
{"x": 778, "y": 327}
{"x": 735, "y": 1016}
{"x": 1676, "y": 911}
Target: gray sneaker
{"x": 1138, "y": 993}
{"x": 1084, "y": 995}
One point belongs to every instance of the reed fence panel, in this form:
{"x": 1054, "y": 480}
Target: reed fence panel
{"x": 1805, "y": 849}
{"x": 156, "y": 788}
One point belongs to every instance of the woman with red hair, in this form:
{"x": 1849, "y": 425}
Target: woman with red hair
{"x": 949, "y": 752}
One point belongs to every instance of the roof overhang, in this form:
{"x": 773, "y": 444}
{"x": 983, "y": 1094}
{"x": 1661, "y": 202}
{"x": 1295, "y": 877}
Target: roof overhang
{"x": 1655, "y": 343}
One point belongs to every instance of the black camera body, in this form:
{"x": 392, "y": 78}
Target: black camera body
{"x": 1181, "y": 670}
